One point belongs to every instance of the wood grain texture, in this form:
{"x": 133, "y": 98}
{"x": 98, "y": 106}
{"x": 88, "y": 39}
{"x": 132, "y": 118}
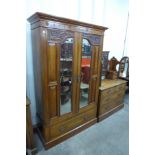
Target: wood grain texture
{"x": 67, "y": 135}
{"x": 48, "y": 35}
{"x": 110, "y": 97}
{"x": 53, "y": 80}
{"x": 37, "y": 65}
{"x": 106, "y": 83}
{"x": 109, "y": 113}
{"x": 79, "y": 57}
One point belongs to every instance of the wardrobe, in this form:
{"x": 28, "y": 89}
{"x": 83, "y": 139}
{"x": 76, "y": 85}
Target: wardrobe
{"x": 67, "y": 69}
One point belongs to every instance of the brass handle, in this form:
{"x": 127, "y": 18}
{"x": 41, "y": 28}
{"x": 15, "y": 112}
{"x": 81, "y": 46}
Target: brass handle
{"x": 52, "y": 84}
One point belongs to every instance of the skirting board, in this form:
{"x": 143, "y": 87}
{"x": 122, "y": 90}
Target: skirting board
{"x": 65, "y": 136}
{"x": 109, "y": 113}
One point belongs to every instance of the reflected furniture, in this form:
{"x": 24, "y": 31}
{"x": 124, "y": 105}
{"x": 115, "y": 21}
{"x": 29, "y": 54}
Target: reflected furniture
{"x": 30, "y": 143}
{"x": 110, "y": 97}
{"x": 67, "y": 63}
{"x": 105, "y": 56}
{"x": 124, "y": 69}
{"x": 112, "y": 72}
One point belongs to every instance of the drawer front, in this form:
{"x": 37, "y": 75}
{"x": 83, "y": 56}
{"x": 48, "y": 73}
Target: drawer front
{"x": 110, "y": 105}
{"x": 108, "y": 91}
{"x": 111, "y": 98}
{"x": 62, "y": 128}
{"x": 105, "y": 108}
{"x": 105, "y": 100}
{"x": 112, "y": 94}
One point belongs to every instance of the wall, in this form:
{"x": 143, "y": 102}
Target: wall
{"x": 116, "y": 15}
{"x": 109, "y": 13}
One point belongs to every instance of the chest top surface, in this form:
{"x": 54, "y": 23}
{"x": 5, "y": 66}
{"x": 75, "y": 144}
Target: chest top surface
{"x": 107, "y": 83}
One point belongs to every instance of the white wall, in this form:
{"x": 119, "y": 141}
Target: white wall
{"x": 109, "y": 13}
{"x": 116, "y": 13}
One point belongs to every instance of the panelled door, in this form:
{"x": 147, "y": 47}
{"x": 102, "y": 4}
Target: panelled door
{"x": 73, "y": 74}
{"x": 88, "y": 70}
{"x": 62, "y": 72}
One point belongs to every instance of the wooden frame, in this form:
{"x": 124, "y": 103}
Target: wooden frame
{"x": 47, "y": 34}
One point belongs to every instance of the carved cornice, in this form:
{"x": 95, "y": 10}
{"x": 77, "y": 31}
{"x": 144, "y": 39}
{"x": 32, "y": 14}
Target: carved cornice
{"x": 42, "y": 16}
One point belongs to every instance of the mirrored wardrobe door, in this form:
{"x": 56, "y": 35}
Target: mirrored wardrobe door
{"x": 86, "y": 58}
{"x": 66, "y": 65}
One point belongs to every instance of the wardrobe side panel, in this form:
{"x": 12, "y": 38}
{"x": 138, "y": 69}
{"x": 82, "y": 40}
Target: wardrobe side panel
{"x": 40, "y": 72}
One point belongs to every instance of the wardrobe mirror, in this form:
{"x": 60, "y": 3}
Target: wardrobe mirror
{"x": 66, "y": 57}
{"x": 85, "y": 72}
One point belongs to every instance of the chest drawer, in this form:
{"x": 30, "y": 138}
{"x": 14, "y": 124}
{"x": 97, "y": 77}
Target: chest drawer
{"x": 112, "y": 94}
{"x": 62, "y": 128}
{"x": 105, "y": 108}
{"x": 111, "y": 97}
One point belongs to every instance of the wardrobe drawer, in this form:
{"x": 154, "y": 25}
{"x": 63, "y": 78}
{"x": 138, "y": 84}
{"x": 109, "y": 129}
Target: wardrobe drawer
{"x": 62, "y": 128}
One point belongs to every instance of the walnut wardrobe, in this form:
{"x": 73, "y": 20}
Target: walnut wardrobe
{"x": 67, "y": 65}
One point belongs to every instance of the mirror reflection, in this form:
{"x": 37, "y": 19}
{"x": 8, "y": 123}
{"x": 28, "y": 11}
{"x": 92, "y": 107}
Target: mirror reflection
{"x": 85, "y": 72}
{"x": 104, "y": 67}
{"x": 66, "y": 56}
{"x": 124, "y": 67}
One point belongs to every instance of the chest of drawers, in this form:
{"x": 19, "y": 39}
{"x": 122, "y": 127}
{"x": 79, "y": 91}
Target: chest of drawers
{"x": 110, "y": 97}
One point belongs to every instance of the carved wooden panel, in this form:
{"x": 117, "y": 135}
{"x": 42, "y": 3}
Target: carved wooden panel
{"x": 58, "y": 36}
{"x": 94, "y": 39}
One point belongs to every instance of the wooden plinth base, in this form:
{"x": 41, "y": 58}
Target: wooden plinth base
{"x": 109, "y": 113}
{"x": 67, "y": 135}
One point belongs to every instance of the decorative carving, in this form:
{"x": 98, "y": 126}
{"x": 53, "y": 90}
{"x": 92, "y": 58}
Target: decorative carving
{"x": 94, "y": 39}
{"x": 58, "y": 35}
{"x": 112, "y": 72}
